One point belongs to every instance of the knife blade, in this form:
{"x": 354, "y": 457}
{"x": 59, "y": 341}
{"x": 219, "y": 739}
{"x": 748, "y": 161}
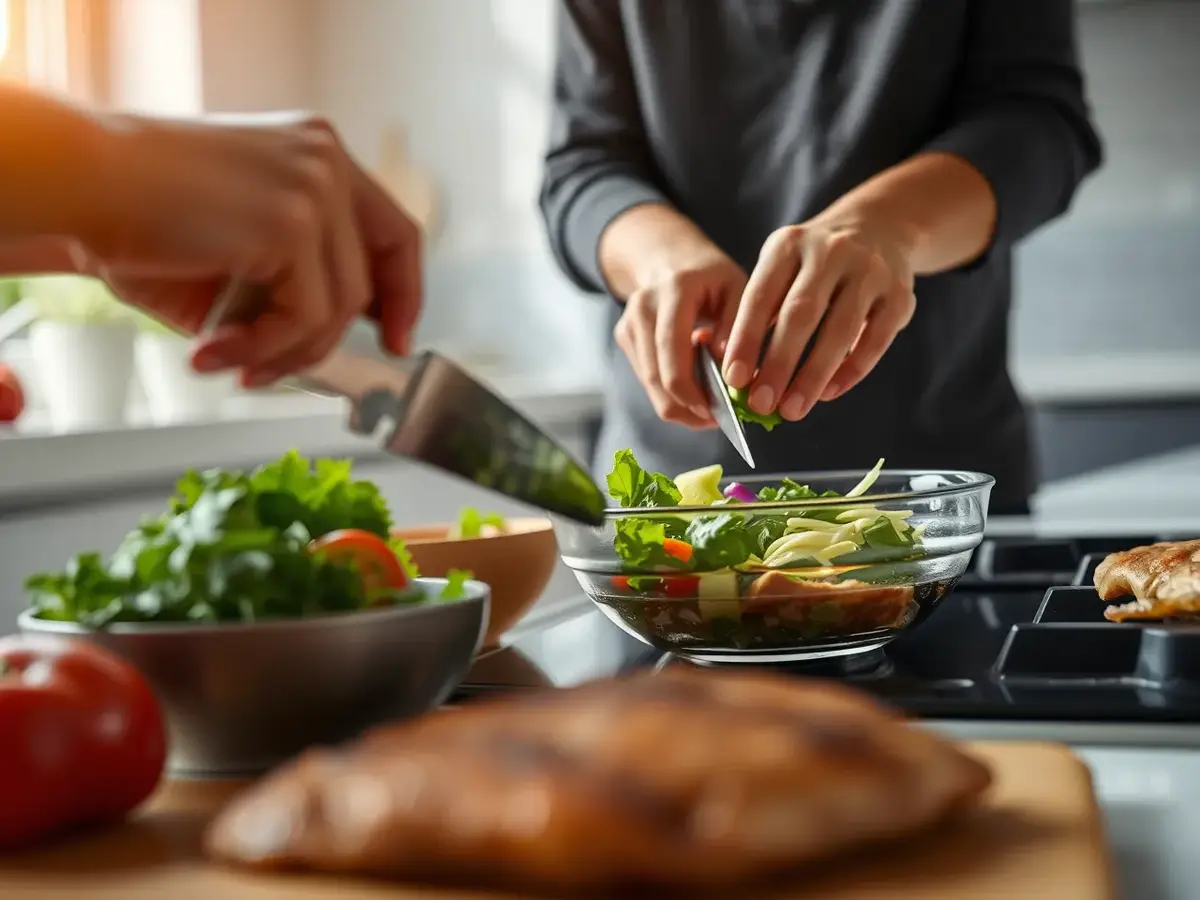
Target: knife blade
{"x": 426, "y": 408}
{"x": 721, "y": 404}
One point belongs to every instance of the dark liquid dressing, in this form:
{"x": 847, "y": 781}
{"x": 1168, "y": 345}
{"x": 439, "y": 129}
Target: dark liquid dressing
{"x": 831, "y": 617}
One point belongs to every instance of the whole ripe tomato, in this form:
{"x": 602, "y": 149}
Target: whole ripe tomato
{"x": 82, "y": 740}
{"x": 12, "y": 398}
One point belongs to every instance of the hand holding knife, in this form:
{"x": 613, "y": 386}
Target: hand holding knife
{"x": 428, "y": 409}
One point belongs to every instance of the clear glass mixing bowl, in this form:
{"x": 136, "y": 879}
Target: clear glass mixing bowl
{"x": 807, "y": 609}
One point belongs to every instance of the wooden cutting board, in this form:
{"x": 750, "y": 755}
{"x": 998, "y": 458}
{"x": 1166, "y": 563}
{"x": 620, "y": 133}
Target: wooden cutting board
{"x": 1038, "y": 836}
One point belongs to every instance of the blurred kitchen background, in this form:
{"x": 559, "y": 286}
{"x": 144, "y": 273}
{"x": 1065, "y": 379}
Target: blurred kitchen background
{"x": 447, "y": 101}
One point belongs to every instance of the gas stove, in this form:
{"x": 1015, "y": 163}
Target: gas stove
{"x": 1022, "y": 638}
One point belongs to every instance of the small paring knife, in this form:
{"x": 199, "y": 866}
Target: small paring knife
{"x": 426, "y": 408}
{"x": 721, "y": 404}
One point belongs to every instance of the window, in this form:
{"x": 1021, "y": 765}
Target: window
{"x": 55, "y": 44}
{"x": 12, "y": 56}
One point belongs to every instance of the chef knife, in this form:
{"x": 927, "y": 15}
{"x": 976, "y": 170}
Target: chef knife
{"x": 721, "y": 403}
{"x": 426, "y": 408}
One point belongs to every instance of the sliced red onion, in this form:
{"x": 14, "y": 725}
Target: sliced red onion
{"x": 740, "y": 493}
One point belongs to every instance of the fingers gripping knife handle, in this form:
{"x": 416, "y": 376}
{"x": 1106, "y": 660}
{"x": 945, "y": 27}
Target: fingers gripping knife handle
{"x": 426, "y": 408}
{"x": 377, "y": 387}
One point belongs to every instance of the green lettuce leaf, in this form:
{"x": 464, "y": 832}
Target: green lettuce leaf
{"x": 741, "y": 408}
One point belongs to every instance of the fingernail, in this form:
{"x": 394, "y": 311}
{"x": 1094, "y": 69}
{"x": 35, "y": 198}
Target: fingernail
{"x": 737, "y": 374}
{"x": 701, "y": 411}
{"x": 793, "y": 408}
{"x": 831, "y": 392}
{"x": 762, "y": 399}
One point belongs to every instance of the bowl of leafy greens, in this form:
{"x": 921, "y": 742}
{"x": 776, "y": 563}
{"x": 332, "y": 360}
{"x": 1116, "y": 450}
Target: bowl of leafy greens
{"x": 270, "y": 610}
{"x": 776, "y": 568}
{"x": 515, "y": 557}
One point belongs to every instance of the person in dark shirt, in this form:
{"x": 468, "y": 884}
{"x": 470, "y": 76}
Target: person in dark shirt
{"x": 837, "y": 188}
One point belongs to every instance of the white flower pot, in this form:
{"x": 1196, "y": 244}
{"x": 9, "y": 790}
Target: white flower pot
{"x": 83, "y": 372}
{"x": 174, "y": 392}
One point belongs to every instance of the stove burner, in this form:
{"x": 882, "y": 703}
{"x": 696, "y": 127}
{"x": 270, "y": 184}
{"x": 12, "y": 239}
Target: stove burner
{"x": 866, "y": 666}
{"x": 1024, "y": 563}
{"x": 1069, "y": 640}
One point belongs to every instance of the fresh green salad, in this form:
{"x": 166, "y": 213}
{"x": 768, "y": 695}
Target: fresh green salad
{"x": 731, "y": 535}
{"x": 731, "y": 576}
{"x": 289, "y": 539}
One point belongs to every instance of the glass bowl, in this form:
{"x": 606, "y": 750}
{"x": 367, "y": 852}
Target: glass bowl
{"x": 916, "y": 531}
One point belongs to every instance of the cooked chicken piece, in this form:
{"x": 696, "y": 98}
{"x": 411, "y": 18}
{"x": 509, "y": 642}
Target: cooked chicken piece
{"x": 859, "y": 605}
{"x": 680, "y": 778}
{"x": 1163, "y": 579}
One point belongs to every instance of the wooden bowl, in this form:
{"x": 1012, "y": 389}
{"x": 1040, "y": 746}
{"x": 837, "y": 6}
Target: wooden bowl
{"x": 517, "y": 564}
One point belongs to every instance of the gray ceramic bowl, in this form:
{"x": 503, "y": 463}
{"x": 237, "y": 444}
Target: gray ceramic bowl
{"x": 240, "y": 698}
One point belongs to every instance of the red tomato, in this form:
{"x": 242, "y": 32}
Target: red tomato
{"x": 12, "y": 398}
{"x": 84, "y": 740}
{"x": 681, "y": 550}
{"x": 679, "y": 586}
{"x": 621, "y": 582}
{"x": 376, "y": 563}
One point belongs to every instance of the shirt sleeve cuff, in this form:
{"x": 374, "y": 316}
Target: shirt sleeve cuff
{"x": 594, "y": 208}
{"x": 1004, "y": 148}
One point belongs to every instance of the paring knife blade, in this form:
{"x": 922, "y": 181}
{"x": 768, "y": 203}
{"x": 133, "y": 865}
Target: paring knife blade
{"x": 722, "y": 405}
{"x": 426, "y": 408}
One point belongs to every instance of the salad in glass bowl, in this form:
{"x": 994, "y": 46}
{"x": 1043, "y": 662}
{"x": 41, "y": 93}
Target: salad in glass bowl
{"x": 776, "y": 568}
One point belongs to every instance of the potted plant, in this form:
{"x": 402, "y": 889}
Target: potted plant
{"x": 81, "y": 348}
{"x": 174, "y": 391}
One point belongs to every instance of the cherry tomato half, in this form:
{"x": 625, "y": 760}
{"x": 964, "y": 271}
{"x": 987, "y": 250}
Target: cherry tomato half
{"x": 370, "y": 554}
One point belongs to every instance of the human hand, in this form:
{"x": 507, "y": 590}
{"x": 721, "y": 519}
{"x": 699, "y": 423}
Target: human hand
{"x": 691, "y": 291}
{"x": 279, "y": 203}
{"x": 852, "y": 280}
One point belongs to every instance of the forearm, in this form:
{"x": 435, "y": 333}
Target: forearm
{"x": 643, "y": 244}
{"x": 940, "y": 208}
{"x": 54, "y": 179}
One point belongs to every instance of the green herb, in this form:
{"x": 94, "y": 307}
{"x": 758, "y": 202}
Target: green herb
{"x": 632, "y": 486}
{"x": 404, "y": 555}
{"x": 231, "y": 546}
{"x": 639, "y": 543}
{"x": 471, "y": 523}
{"x": 720, "y": 541}
{"x": 456, "y": 585}
{"x": 741, "y": 408}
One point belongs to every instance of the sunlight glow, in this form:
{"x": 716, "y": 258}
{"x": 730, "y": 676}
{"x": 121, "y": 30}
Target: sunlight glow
{"x": 3, "y": 29}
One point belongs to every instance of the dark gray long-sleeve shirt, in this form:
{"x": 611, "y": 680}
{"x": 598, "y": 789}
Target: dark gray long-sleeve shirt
{"x": 748, "y": 115}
